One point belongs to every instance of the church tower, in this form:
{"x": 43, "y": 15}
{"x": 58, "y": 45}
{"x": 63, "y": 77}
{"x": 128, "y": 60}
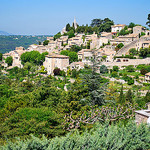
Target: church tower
{"x": 74, "y": 24}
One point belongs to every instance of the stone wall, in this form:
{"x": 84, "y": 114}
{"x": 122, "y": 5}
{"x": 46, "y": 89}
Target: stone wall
{"x": 139, "y": 118}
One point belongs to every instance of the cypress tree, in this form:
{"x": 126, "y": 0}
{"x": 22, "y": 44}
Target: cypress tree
{"x": 129, "y": 96}
{"x": 121, "y": 96}
{"x": 147, "y": 97}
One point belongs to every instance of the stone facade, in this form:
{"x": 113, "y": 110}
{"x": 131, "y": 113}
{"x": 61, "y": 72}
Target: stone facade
{"x": 147, "y": 77}
{"x": 53, "y": 61}
{"x": 140, "y": 118}
{"x": 117, "y": 28}
{"x": 121, "y": 62}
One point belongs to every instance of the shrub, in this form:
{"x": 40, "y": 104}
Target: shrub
{"x": 103, "y": 69}
{"x": 56, "y": 71}
{"x": 143, "y": 71}
{"x": 130, "y": 68}
{"x": 130, "y": 81}
{"x": 116, "y": 137}
{"x": 115, "y": 68}
{"x": 114, "y": 74}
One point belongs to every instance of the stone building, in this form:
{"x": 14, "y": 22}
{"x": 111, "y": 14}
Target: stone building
{"x": 53, "y": 61}
{"x": 122, "y": 62}
{"x": 117, "y": 28}
{"x": 77, "y": 65}
{"x": 138, "y": 29}
{"x": 147, "y": 77}
{"x": 143, "y": 116}
{"x": 16, "y": 54}
{"x": 85, "y": 55}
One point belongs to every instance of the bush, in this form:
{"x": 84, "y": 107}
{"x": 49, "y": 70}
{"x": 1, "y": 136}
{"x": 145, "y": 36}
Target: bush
{"x": 114, "y": 74}
{"x": 9, "y": 60}
{"x": 56, "y": 71}
{"x": 75, "y": 73}
{"x": 103, "y": 69}
{"x": 115, "y": 68}
{"x": 112, "y": 137}
{"x": 143, "y": 71}
{"x": 130, "y": 68}
{"x": 130, "y": 81}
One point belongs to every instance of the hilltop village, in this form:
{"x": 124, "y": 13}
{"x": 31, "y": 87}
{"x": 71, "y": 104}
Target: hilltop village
{"x": 85, "y": 78}
{"x": 110, "y": 48}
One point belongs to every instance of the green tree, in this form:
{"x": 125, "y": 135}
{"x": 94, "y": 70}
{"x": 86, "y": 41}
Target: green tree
{"x": 1, "y": 55}
{"x": 73, "y": 57}
{"x": 146, "y": 99}
{"x": 88, "y": 44}
{"x": 130, "y": 81}
{"x": 143, "y": 71}
{"x": 75, "y": 48}
{"x": 96, "y": 22}
{"x": 131, "y": 25}
{"x": 121, "y": 96}
{"x": 33, "y": 57}
{"x": 115, "y": 68}
{"x": 75, "y": 73}
{"x": 56, "y": 71}
{"x": 57, "y": 36}
{"x": 71, "y": 33}
{"x": 119, "y": 46}
{"x": 130, "y": 68}
{"x": 129, "y": 96}
{"x": 114, "y": 74}
{"x": 9, "y": 60}
{"x": 68, "y": 27}
{"x": 144, "y": 52}
{"x": 133, "y": 51}
{"x": 45, "y": 42}
{"x": 28, "y": 66}
{"x": 103, "y": 69}
{"x": 148, "y": 22}
{"x": 96, "y": 94}
{"x": 142, "y": 33}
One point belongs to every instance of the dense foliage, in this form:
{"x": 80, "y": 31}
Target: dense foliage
{"x": 129, "y": 137}
{"x": 144, "y": 52}
{"x": 9, "y": 43}
{"x": 33, "y": 57}
{"x": 148, "y": 20}
{"x": 9, "y": 60}
{"x": 73, "y": 57}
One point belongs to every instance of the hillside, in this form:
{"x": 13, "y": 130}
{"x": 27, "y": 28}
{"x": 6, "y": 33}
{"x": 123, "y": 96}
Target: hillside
{"x": 8, "y": 43}
{"x": 4, "y": 33}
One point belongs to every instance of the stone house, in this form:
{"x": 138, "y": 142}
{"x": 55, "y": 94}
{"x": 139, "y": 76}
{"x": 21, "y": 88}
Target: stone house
{"x": 51, "y": 38}
{"x": 138, "y": 29}
{"x": 143, "y": 116}
{"x": 75, "y": 41}
{"x": 110, "y": 53}
{"x": 85, "y": 55}
{"x": 77, "y": 65}
{"x": 53, "y": 61}
{"x": 16, "y": 54}
{"x": 121, "y": 62}
{"x": 107, "y": 35}
{"x": 147, "y": 77}
{"x": 94, "y": 40}
{"x": 129, "y": 38}
{"x": 117, "y": 28}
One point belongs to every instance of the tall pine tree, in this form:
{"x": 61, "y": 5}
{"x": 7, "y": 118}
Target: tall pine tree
{"x": 129, "y": 96}
{"x": 92, "y": 81}
{"x": 121, "y": 96}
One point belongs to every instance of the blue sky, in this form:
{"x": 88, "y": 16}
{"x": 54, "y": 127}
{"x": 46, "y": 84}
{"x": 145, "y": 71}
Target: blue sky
{"x": 37, "y": 17}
